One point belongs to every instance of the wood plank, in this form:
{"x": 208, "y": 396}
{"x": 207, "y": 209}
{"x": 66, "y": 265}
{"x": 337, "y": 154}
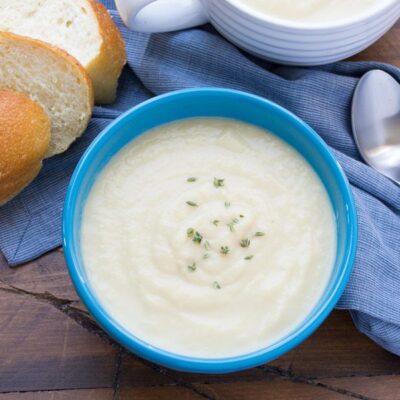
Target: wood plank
{"x": 270, "y": 390}
{"x": 136, "y": 373}
{"x": 159, "y": 393}
{"x": 41, "y": 348}
{"x": 374, "y": 387}
{"x": 338, "y": 349}
{"x": 86, "y": 394}
{"x": 335, "y": 350}
{"x": 46, "y": 274}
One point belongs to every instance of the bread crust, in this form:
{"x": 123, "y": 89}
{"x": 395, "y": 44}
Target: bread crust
{"x": 80, "y": 71}
{"x": 106, "y": 68}
{"x": 24, "y": 141}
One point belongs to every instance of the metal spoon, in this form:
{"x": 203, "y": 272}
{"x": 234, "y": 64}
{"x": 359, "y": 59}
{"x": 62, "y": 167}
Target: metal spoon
{"x": 376, "y": 122}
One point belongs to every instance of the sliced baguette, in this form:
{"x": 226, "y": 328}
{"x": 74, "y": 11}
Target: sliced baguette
{"x": 83, "y": 28}
{"x": 24, "y": 141}
{"x": 54, "y": 79}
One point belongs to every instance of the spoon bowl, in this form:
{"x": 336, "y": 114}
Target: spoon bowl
{"x": 376, "y": 122}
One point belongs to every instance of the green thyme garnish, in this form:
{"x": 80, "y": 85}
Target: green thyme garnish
{"x": 248, "y": 258}
{"x": 245, "y": 243}
{"x": 259, "y": 234}
{"x": 216, "y": 285}
{"x": 190, "y": 232}
{"x": 216, "y": 222}
{"x": 192, "y": 204}
{"x": 232, "y": 224}
{"x": 198, "y": 237}
{"x": 241, "y": 216}
{"x": 207, "y": 245}
{"x": 219, "y": 182}
{"x": 224, "y": 250}
{"x": 192, "y": 267}
{"x": 206, "y": 256}
{"x": 192, "y": 179}
{"x": 227, "y": 204}
{"x": 68, "y": 23}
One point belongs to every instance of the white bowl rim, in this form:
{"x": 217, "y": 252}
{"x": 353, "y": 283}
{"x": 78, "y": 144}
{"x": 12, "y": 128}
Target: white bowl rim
{"x": 307, "y": 26}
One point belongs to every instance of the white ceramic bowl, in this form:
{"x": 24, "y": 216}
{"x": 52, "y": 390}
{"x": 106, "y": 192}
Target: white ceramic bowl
{"x": 285, "y": 42}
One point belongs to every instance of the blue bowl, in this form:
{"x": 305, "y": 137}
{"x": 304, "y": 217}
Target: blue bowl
{"x": 211, "y": 102}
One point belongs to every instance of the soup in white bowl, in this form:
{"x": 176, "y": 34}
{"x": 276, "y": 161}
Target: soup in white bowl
{"x": 313, "y": 11}
{"x": 293, "y": 32}
{"x": 208, "y": 238}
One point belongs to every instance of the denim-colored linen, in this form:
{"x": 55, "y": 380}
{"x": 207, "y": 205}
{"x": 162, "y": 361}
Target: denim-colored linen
{"x": 30, "y": 225}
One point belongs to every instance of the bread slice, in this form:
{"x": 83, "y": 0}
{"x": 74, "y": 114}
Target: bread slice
{"x": 24, "y": 141}
{"x": 83, "y": 28}
{"x": 52, "y": 78}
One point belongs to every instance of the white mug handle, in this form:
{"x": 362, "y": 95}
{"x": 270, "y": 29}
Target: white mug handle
{"x": 153, "y": 16}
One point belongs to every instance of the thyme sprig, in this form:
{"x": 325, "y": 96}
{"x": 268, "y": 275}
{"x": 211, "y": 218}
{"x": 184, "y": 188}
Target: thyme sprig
{"x": 232, "y": 223}
{"x": 224, "y": 250}
{"x": 192, "y": 267}
{"x": 197, "y": 237}
{"x": 190, "y": 232}
{"x": 216, "y": 285}
{"x": 245, "y": 243}
{"x": 218, "y": 183}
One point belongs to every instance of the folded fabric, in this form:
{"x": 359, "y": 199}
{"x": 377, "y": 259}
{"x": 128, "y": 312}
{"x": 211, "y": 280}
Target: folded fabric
{"x": 30, "y": 225}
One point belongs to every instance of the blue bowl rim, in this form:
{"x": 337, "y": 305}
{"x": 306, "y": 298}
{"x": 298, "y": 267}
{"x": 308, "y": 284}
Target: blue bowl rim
{"x": 194, "y": 364}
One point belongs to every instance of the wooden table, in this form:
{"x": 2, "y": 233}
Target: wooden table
{"x": 50, "y": 348}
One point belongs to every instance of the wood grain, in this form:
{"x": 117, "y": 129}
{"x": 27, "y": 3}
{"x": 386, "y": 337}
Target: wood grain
{"x": 41, "y": 348}
{"x": 337, "y": 349}
{"x": 272, "y": 390}
{"x": 46, "y": 274}
{"x": 159, "y": 393}
{"x": 386, "y": 387}
{"x": 50, "y": 347}
{"x": 88, "y": 394}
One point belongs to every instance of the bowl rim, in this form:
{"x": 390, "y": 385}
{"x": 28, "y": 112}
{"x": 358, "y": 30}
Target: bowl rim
{"x": 307, "y": 26}
{"x": 187, "y": 363}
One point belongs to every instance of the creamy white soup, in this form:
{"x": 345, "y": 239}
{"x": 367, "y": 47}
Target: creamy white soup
{"x": 313, "y": 10}
{"x": 208, "y": 238}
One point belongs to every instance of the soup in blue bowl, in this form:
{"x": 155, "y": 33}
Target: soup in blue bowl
{"x": 209, "y": 230}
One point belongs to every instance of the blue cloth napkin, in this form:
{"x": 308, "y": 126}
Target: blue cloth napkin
{"x": 30, "y": 225}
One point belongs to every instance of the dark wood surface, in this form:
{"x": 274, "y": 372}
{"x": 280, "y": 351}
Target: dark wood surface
{"x": 51, "y": 349}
